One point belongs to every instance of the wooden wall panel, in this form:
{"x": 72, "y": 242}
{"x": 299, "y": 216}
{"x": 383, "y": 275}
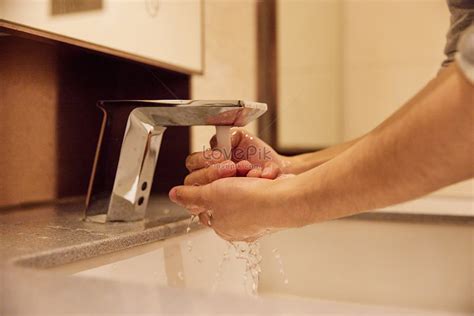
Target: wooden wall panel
{"x": 49, "y": 123}
{"x": 28, "y": 96}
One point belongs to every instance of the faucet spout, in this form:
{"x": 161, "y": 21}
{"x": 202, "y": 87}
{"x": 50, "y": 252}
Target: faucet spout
{"x": 129, "y": 144}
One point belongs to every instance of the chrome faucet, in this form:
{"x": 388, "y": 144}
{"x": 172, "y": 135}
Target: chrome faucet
{"x": 129, "y": 144}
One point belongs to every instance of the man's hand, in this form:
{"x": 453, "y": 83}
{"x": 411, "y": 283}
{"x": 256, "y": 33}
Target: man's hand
{"x": 241, "y": 209}
{"x": 250, "y": 157}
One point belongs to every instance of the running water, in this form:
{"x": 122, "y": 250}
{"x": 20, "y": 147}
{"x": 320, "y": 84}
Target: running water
{"x": 223, "y": 136}
{"x": 248, "y": 252}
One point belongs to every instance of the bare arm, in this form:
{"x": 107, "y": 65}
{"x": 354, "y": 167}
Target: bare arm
{"x": 428, "y": 144}
{"x": 301, "y": 163}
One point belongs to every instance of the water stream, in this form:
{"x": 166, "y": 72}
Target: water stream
{"x": 224, "y": 140}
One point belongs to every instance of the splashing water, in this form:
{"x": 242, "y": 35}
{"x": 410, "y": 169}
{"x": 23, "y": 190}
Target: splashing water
{"x": 225, "y": 258}
{"x": 250, "y": 253}
{"x": 280, "y": 265}
{"x": 189, "y": 243}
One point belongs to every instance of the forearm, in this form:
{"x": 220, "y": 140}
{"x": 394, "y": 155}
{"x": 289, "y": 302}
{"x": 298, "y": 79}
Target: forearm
{"x": 301, "y": 163}
{"x": 429, "y": 146}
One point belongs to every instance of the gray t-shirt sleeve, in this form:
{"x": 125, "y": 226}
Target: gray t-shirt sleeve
{"x": 462, "y": 16}
{"x": 465, "y": 53}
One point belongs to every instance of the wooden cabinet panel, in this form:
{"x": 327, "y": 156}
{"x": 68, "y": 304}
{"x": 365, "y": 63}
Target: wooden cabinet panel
{"x": 166, "y": 31}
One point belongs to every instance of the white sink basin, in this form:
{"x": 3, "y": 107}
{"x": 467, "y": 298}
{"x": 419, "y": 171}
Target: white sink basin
{"x": 189, "y": 261}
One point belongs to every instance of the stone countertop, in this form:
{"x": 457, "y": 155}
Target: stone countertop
{"x": 50, "y": 235}
{"x": 428, "y": 209}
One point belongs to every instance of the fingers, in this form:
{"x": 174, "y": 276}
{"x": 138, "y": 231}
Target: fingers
{"x": 255, "y": 173}
{"x": 270, "y": 171}
{"x": 203, "y": 159}
{"x": 194, "y": 198}
{"x": 207, "y": 175}
{"x": 243, "y": 167}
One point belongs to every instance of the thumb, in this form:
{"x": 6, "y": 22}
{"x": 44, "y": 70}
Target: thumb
{"x": 192, "y": 197}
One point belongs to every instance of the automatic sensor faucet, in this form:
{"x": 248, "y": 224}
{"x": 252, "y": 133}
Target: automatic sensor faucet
{"x": 129, "y": 144}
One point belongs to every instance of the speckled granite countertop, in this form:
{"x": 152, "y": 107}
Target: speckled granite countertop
{"x": 50, "y": 235}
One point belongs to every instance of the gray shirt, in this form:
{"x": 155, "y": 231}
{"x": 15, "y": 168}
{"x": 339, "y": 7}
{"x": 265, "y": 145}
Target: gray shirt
{"x": 462, "y": 16}
{"x": 460, "y": 37}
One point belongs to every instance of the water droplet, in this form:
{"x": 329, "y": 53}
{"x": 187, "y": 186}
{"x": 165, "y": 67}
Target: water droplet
{"x": 189, "y": 245}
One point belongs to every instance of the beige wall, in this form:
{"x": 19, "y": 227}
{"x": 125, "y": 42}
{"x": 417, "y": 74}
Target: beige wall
{"x": 346, "y": 65}
{"x": 391, "y": 49}
{"x": 309, "y": 73}
{"x": 425, "y": 266}
{"x": 230, "y": 60}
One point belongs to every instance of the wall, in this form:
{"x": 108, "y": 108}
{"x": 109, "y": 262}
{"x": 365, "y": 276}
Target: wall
{"x": 27, "y": 122}
{"x": 230, "y": 61}
{"x": 309, "y": 73}
{"x": 391, "y": 50}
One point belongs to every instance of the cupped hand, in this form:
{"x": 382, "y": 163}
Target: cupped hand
{"x": 241, "y": 208}
{"x": 250, "y": 157}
